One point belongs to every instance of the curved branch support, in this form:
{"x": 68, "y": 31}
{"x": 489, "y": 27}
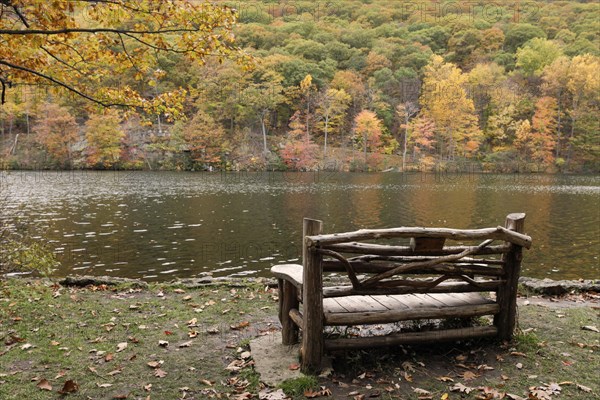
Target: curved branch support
{"x": 420, "y": 264}
{"x": 349, "y": 269}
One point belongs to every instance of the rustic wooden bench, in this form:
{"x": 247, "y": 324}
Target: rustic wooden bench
{"x": 392, "y": 281}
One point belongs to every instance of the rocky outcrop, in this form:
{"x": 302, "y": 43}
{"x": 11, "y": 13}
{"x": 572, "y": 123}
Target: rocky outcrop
{"x": 557, "y": 288}
{"x": 85, "y": 280}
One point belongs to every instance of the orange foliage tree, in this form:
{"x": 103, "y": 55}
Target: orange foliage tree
{"x": 299, "y": 152}
{"x": 56, "y": 131}
{"x": 368, "y": 130}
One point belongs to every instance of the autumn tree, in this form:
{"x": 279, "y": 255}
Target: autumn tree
{"x": 544, "y": 130}
{"x": 103, "y": 134}
{"x": 263, "y": 95}
{"x": 56, "y": 130}
{"x": 404, "y": 113}
{"x": 584, "y": 87}
{"x": 331, "y": 106}
{"x": 299, "y": 152}
{"x": 76, "y": 45}
{"x": 422, "y": 140}
{"x": 444, "y": 100}
{"x": 204, "y": 139}
{"x": 368, "y": 130}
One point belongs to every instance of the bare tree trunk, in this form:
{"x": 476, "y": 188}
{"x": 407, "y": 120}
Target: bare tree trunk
{"x": 13, "y": 150}
{"x": 405, "y": 142}
{"x": 326, "y": 129}
{"x": 264, "y": 132}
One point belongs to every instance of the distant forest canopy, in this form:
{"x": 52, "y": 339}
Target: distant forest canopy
{"x": 361, "y": 85}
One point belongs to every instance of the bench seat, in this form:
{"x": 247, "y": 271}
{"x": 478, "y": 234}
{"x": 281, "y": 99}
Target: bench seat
{"x": 379, "y": 309}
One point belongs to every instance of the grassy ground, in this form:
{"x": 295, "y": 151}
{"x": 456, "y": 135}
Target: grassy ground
{"x": 107, "y": 342}
{"x": 75, "y": 334}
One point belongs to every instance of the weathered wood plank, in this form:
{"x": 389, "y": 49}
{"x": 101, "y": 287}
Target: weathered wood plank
{"x": 332, "y": 305}
{"x": 411, "y": 338}
{"x": 289, "y": 272}
{"x": 390, "y": 302}
{"x": 360, "y": 304}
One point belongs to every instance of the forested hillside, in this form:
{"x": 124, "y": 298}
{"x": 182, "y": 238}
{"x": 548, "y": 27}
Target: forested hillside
{"x": 356, "y": 85}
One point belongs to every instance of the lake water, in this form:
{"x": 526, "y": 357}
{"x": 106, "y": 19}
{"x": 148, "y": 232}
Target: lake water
{"x": 162, "y": 225}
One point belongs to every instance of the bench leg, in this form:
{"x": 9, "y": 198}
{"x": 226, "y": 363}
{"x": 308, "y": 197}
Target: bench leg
{"x": 288, "y": 300}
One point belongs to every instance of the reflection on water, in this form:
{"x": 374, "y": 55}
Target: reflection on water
{"x": 157, "y": 225}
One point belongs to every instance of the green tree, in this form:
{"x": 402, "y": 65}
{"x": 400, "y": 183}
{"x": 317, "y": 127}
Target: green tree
{"x": 536, "y": 54}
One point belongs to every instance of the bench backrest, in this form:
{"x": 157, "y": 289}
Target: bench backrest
{"x": 436, "y": 260}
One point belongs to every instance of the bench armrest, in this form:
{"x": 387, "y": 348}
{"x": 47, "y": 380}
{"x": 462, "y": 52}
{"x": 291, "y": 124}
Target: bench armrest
{"x": 292, "y": 273}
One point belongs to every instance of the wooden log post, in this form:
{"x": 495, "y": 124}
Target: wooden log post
{"x": 312, "y": 300}
{"x": 507, "y": 294}
{"x": 288, "y": 300}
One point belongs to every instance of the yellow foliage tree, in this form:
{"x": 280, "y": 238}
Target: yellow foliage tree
{"x": 76, "y": 45}
{"x": 104, "y": 136}
{"x": 444, "y": 100}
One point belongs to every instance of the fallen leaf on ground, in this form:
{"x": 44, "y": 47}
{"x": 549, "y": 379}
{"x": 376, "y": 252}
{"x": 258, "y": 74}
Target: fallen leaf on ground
{"x": 70, "y": 386}
{"x": 154, "y": 364}
{"x": 536, "y": 393}
{"x": 206, "y": 382}
{"x": 148, "y": 387}
{"x": 459, "y": 387}
{"x": 104, "y": 385}
{"x": 590, "y": 328}
{"x": 44, "y": 385}
{"x": 265, "y": 394}
{"x": 421, "y": 391}
{"x": 121, "y": 346}
{"x": 159, "y": 373}
{"x": 469, "y": 376}
{"x": 186, "y": 344}
{"x": 294, "y": 367}
{"x": 241, "y": 325}
{"x": 444, "y": 379}
{"x": 519, "y": 365}
{"x": 584, "y": 388}
{"x": 163, "y": 343}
